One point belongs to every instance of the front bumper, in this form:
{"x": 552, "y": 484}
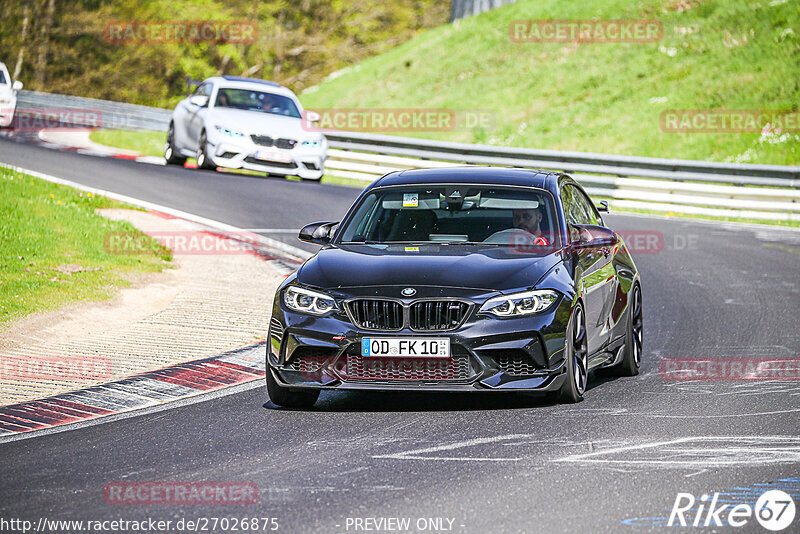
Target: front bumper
{"x": 308, "y": 163}
{"x": 6, "y": 114}
{"x": 487, "y": 354}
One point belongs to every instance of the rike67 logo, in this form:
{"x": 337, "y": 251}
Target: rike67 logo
{"x": 774, "y": 510}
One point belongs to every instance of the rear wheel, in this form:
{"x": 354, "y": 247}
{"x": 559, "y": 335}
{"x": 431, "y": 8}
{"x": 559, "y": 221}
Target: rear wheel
{"x": 203, "y": 161}
{"x": 577, "y": 357}
{"x": 170, "y": 154}
{"x": 287, "y": 397}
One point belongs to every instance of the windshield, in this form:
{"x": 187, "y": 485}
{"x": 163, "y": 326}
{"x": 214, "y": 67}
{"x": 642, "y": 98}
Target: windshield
{"x": 453, "y": 214}
{"x": 257, "y": 101}
{"x": 2, "y": 77}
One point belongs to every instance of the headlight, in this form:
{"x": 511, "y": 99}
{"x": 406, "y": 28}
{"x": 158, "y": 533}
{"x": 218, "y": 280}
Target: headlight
{"x": 228, "y": 131}
{"x": 526, "y": 303}
{"x": 306, "y": 301}
{"x": 312, "y": 143}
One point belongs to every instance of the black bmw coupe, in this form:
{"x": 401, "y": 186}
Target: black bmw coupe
{"x": 461, "y": 279}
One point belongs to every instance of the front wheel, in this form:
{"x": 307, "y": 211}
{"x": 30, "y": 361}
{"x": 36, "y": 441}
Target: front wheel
{"x": 203, "y": 161}
{"x": 633, "y": 337}
{"x": 289, "y": 398}
{"x": 576, "y": 355}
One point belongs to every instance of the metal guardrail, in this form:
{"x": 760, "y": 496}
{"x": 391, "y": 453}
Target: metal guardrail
{"x": 95, "y": 113}
{"x": 735, "y": 190}
{"x": 570, "y": 162}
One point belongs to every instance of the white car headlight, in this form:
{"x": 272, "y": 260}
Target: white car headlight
{"x": 229, "y": 132}
{"x": 307, "y": 301}
{"x": 312, "y": 143}
{"x": 525, "y": 303}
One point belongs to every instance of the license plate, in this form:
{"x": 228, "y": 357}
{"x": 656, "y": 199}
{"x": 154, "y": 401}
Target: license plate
{"x": 406, "y": 347}
{"x": 273, "y": 155}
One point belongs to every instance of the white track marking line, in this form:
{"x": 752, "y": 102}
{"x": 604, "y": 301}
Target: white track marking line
{"x": 419, "y": 454}
{"x": 742, "y": 455}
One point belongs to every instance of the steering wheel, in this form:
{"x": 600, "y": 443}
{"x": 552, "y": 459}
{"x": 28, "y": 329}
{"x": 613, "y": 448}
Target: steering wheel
{"x": 510, "y": 236}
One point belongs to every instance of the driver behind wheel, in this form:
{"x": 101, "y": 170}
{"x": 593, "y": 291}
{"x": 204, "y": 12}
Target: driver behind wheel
{"x": 529, "y": 220}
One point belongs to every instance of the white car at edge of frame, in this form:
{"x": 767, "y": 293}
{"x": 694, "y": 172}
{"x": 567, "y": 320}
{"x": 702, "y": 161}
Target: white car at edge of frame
{"x": 8, "y": 97}
{"x": 246, "y": 123}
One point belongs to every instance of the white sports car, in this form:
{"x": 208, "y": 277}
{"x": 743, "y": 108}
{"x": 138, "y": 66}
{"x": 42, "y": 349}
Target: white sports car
{"x": 245, "y": 123}
{"x": 8, "y": 97}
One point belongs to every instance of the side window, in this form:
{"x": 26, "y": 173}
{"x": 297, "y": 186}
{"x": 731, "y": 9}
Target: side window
{"x": 573, "y": 210}
{"x": 587, "y": 208}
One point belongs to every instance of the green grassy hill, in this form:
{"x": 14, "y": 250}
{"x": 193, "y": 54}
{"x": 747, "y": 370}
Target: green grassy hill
{"x": 715, "y": 54}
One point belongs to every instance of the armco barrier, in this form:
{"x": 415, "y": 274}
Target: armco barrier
{"x": 769, "y": 192}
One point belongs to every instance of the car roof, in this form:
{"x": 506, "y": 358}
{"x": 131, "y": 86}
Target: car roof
{"x": 473, "y": 175}
{"x": 251, "y": 80}
{"x": 250, "y": 83}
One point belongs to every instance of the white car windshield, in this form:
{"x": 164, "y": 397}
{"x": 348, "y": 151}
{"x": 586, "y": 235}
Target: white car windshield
{"x": 263, "y": 102}
{"x": 3, "y": 77}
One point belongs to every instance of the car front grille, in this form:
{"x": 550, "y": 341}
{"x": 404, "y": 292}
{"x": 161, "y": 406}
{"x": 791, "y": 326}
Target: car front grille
{"x": 423, "y": 316}
{"x": 457, "y": 368}
{"x": 376, "y": 314}
{"x": 431, "y": 315}
{"x": 266, "y": 163}
{"x": 265, "y": 140}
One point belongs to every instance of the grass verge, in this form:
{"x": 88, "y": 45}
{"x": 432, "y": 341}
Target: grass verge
{"x": 593, "y": 96}
{"x": 53, "y": 247}
{"x": 145, "y": 142}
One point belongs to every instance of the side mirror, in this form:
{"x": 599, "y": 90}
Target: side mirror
{"x": 199, "y": 100}
{"x": 16, "y": 86}
{"x": 591, "y": 237}
{"x": 602, "y": 206}
{"x": 313, "y": 116}
{"x": 317, "y": 233}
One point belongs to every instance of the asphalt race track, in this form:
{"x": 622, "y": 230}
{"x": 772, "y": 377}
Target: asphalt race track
{"x": 495, "y": 463}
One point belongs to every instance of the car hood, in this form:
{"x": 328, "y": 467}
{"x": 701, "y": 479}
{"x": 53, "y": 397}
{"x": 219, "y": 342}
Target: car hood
{"x": 6, "y": 92}
{"x": 474, "y": 267}
{"x": 255, "y": 122}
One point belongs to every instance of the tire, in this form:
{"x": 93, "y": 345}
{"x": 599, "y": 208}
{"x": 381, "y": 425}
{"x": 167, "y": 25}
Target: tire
{"x": 170, "y": 156}
{"x": 203, "y": 161}
{"x": 289, "y": 398}
{"x": 632, "y": 359}
{"x": 577, "y": 357}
